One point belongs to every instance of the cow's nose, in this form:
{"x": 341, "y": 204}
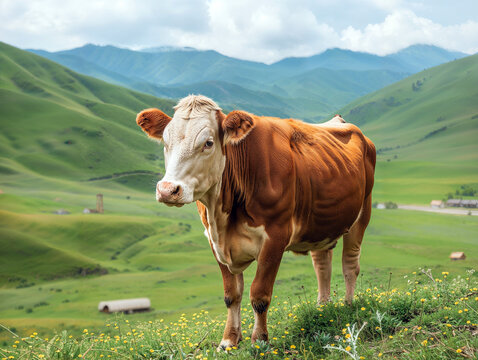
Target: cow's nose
{"x": 168, "y": 192}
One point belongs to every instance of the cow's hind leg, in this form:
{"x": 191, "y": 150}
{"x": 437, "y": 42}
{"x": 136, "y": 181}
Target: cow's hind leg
{"x": 351, "y": 249}
{"x": 322, "y": 261}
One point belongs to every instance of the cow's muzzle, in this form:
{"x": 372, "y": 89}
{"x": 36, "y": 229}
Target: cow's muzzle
{"x": 169, "y": 193}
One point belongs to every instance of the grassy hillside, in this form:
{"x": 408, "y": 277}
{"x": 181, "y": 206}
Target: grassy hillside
{"x": 59, "y": 124}
{"x": 425, "y": 128}
{"x": 54, "y": 283}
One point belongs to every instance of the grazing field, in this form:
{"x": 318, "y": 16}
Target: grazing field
{"x": 57, "y": 268}
{"x": 66, "y": 137}
{"x": 431, "y": 317}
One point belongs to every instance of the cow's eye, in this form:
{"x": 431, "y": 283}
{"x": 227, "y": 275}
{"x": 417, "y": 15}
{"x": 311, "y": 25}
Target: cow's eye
{"x": 208, "y": 144}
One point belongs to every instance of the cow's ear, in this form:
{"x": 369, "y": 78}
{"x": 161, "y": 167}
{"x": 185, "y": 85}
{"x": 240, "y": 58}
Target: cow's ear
{"x": 236, "y": 126}
{"x": 153, "y": 122}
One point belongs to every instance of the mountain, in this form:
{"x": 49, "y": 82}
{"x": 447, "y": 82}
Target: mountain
{"x": 334, "y": 87}
{"x": 172, "y": 67}
{"x": 425, "y": 129}
{"x": 409, "y": 60}
{"x": 160, "y": 49}
{"x": 419, "y": 57}
{"x": 339, "y": 59}
{"x": 58, "y": 124}
{"x": 306, "y": 88}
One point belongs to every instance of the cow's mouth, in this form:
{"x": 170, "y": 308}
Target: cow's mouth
{"x": 170, "y": 204}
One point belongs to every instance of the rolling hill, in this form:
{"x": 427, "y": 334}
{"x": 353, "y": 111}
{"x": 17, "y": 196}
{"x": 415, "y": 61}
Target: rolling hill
{"x": 425, "y": 128}
{"x": 61, "y": 124}
{"x": 65, "y": 137}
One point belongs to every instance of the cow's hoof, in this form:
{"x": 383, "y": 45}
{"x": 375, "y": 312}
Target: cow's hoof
{"x": 225, "y": 345}
{"x": 259, "y": 336}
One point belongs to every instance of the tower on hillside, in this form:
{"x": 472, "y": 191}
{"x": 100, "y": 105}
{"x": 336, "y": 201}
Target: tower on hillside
{"x": 99, "y": 203}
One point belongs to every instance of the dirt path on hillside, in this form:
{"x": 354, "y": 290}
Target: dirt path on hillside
{"x": 460, "y": 211}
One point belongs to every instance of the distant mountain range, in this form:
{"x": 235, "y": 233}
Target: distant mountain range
{"x": 308, "y": 87}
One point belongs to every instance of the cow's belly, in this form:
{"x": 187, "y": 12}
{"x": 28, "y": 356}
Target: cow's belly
{"x": 322, "y": 233}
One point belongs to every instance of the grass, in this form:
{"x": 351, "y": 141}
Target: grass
{"x": 149, "y": 261}
{"x": 433, "y": 317}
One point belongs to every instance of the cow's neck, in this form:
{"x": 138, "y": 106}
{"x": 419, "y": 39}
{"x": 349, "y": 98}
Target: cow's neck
{"x": 217, "y": 221}
{"x": 226, "y": 211}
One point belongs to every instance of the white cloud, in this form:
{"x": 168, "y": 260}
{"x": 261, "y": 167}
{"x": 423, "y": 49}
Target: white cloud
{"x": 265, "y": 30}
{"x": 403, "y": 28}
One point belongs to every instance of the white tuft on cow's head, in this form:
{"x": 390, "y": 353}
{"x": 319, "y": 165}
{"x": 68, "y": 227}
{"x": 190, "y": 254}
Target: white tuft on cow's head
{"x": 193, "y": 151}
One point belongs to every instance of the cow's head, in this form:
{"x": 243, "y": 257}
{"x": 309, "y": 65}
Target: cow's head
{"x": 194, "y": 141}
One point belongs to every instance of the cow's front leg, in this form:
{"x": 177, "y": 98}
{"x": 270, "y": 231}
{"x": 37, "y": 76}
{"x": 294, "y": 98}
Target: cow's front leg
{"x": 233, "y": 288}
{"x": 261, "y": 288}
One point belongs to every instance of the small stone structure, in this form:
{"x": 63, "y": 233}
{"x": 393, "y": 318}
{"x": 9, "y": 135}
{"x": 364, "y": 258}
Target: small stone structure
{"x": 99, "y": 203}
{"x": 61, "y": 212}
{"x": 89, "y": 211}
{"x": 99, "y": 206}
{"x": 437, "y": 204}
{"x": 126, "y": 306}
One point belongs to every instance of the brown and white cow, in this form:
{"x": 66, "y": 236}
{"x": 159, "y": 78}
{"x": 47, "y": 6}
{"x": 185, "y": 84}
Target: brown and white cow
{"x": 264, "y": 186}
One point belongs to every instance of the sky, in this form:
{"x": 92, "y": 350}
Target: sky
{"x": 264, "y": 31}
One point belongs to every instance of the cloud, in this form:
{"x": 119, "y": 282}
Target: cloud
{"x": 60, "y": 24}
{"x": 265, "y": 30}
{"x": 403, "y": 28}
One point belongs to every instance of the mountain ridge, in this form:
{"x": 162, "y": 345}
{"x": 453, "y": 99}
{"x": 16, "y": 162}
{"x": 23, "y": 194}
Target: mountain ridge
{"x": 281, "y": 89}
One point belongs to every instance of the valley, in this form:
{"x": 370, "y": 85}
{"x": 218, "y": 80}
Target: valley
{"x": 65, "y": 137}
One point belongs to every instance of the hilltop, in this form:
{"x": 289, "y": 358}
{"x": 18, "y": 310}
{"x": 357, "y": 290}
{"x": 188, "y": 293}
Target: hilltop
{"x": 425, "y": 128}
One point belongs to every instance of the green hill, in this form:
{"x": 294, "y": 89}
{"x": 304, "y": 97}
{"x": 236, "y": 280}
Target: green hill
{"x": 65, "y": 137}
{"x": 57, "y": 123}
{"x": 425, "y": 128}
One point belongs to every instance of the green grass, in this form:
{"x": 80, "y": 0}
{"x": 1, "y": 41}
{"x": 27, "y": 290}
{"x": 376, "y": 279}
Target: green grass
{"x": 432, "y": 317}
{"x": 162, "y": 259}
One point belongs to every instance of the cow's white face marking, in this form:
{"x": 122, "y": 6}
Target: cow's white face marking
{"x": 193, "y": 155}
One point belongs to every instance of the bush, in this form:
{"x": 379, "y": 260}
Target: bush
{"x": 391, "y": 205}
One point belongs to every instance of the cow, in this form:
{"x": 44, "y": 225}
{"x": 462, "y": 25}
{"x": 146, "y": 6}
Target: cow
{"x": 264, "y": 186}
